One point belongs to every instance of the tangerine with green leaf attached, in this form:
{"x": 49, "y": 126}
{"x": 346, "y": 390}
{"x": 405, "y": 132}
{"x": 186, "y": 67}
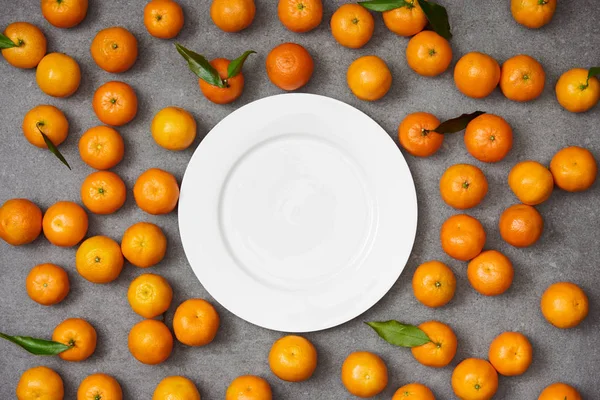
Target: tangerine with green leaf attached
{"x": 58, "y": 75}
{"x": 47, "y": 284}
{"x": 533, "y": 13}
{"x": 564, "y": 304}
{"x": 232, "y": 15}
{"x": 293, "y": 358}
{"x": 300, "y": 15}
{"x": 364, "y": 374}
{"x": 29, "y": 45}
{"x": 99, "y": 259}
{"x": 511, "y": 353}
{"x": 559, "y": 391}
{"x": 576, "y": 91}
{"x": 40, "y": 383}
{"x": 463, "y": 186}
{"x": 232, "y": 89}
{"x": 114, "y": 49}
{"x": 475, "y": 379}
{"x": 414, "y": 391}
{"x": 64, "y": 13}
{"x": 99, "y": 387}
{"x": 407, "y": 20}
{"x": 289, "y": 66}
{"x": 490, "y": 273}
{"x": 369, "y": 78}
{"x": 79, "y": 335}
{"x": 428, "y": 54}
{"x": 488, "y": 138}
{"x": 20, "y": 222}
{"x": 434, "y": 284}
{"x": 103, "y": 192}
{"x": 47, "y": 119}
{"x": 163, "y": 18}
{"x": 531, "y": 182}
{"x": 101, "y": 147}
{"x": 115, "y": 103}
{"x": 476, "y": 75}
{"x": 521, "y": 225}
{"x": 65, "y": 224}
{"x": 417, "y": 134}
{"x": 574, "y": 169}
{"x": 522, "y": 78}
{"x": 352, "y": 26}
{"x": 462, "y": 237}
{"x": 441, "y": 349}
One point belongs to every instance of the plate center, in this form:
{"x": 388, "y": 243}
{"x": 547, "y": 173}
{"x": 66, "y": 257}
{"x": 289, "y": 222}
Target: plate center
{"x": 294, "y": 212}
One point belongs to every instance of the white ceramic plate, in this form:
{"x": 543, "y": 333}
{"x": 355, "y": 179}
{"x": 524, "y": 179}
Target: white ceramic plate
{"x": 297, "y": 212}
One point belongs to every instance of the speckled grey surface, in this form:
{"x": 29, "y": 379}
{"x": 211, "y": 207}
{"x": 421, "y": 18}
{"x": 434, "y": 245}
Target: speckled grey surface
{"x": 568, "y": 249}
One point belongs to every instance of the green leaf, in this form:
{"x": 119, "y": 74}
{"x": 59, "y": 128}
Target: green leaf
{"x": 200, "y": 66}
{"x": 399, "y": 334}
{"x": 39, "y": 347}
{"x": 384, "y": 5}
{"x": 235, "y": 66}
{"x": 457, "y": 124}
{"x": 6, "y": 43}
{"x": 53, "y": 149}
{"x": 594, "y": 71}
{"x": 437, "y": 17}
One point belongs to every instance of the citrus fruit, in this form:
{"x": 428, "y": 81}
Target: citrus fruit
{"x": 428, "y": 54}
{"x": 364, "y": 374}
{"x": 103, "y": 192}
{"x": 575, "y": 92}
{"x": 574, "y": 169}
{"x": 417, "y": 135}
{"x": 150, "y": 295}
{"x": 463, "y": 186}
{"x": 490, "y": 273}
{"x": 232, "y": 15}
{"x": 474, "y": 379}
{"x": 65, "y": 224}
{"x": 150, "y": 342}
{"x": 521, "y": 225}
{"x": 58, "y": 75}
{"x": 413, "y": 391}
{"x": 300, "y": 15}
{"x": 144, "y": 244}
{"x": 101, "y": 147}
{"x": 20, "y": 222}
{"x": 195, "y": 322}
{"x": 115, "y": 103}
{"x": 488, "y": 138}
{"x": 407, "y": 20}
{"x": 564, "y": 305}
{"x": 293, "y": 358}
{"x": 173, "y": 128}
{"x": 559, "y": 391}
{"x": 476, "y": 75}
{"x": 99, "y": 387}
{"x": 64, "y": 13}
{"x": 31, "y": 45}
{"x": 79, "y": 335}
{"x": 369, "y": 78}
{"x": 40, "y": 383}
{"x": 249, "y": 387}
{"x": 289, "y": 66}
{"x": 114, "y": 49}
{"x": 232, "y": 90}
{"x": 352, "y": 25}
{"x": 462, "y": 237}
{"x": 441, "y": 350}
{"x": 176, "y": 388}
{"x": 522, "y": 78}
{"x": 163, "y": 18}
{"x": 156, "y": 191}
{"x": 99, "y": 259}
{"x": 434, "y": 284}
{"x": 47, "y": 284}
{"x": 47, "y": 119}
{"x": 533, "y": 13}
{"x": 510, "y": 353}
{"x": 531, "y": 182}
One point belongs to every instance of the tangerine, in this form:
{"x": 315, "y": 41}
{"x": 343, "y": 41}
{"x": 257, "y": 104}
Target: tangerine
{"x": 47, "y": 284}
{"x": 521, "y": 225}
{"x": 434, "y": 284}
{"x": 232, "y": 15}
{"x": 163, "y": 18}
{"x": 510, "y": 353}
{"x": 156, "y": 191}
{"x": 31, "y": 45}
{"x": 196, "y": 322}
{"x": 103, "y": 192}
{"x": 564, "y": 304}
{"x": 475, "y": 379}
{"x": 462, "y": 237}
{"x": 293, "y": 358}
{"x": 300, "y": 15}
{"x": 20, "y": 222}
{"x": 176, "y": 388}
{"x": 289, "y": 66}
{"x": 64, "y": 13}
{"x": 428, "y": 54}
{"x": 173, "y": 128}
{"x": 407, "y": 20}
{"x": 233, "y": 89}
{"x": 58, "y": 75}
{"x": 150, "y": 342}
{"x": 99, "y": 259}
{"x": 114, "y": 49}
{"x": 101, "y": 147}
{"x": 79, "y": 335}
{"x": 576, "y": 92}
{"x": 440, "y": 351}
{"x": 115, "y": 103}
{"x": 369, "y": 78}
{"x": 47, "y": 119}
{"x": 488, "y": 138}
{"x": 574, "y": 169}
{"x": 522, "y": 78}
{"x": 531, "y": 182}
{"x": 476, "y": 75}
{"x": 352, "y": 26}
{"x": 490, "y": 273}
{"x": 65, "y": 224}
{"x": 463, "y": 186}
{"x": 249, "y": 387}
{"x": 99, "y": 387}
{"x": 364, "y": 374}
{"x": 144, "y": 244}
{"x": 417, "y": 134}
{"x": 40, "y": 383}
{"x": 149, "y": 295}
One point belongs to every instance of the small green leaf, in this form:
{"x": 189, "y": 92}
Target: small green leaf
{"x": 200, "y": 66}
{"x": 594, "y": 71}
{"x": 437, "y": 17}
{"x": 399, "y": 334}
{"x": 53, "y": 149}
{"x": 39, "y": 347}
{"x": 384, "y": 5}
{"x": 457, "y": 124}
{"x": 6, "y": 43}
{"x": 235, "y": 66}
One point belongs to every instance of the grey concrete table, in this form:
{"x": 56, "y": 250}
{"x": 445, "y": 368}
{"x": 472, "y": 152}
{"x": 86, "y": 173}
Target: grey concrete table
{"x": 568, "y": 249}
